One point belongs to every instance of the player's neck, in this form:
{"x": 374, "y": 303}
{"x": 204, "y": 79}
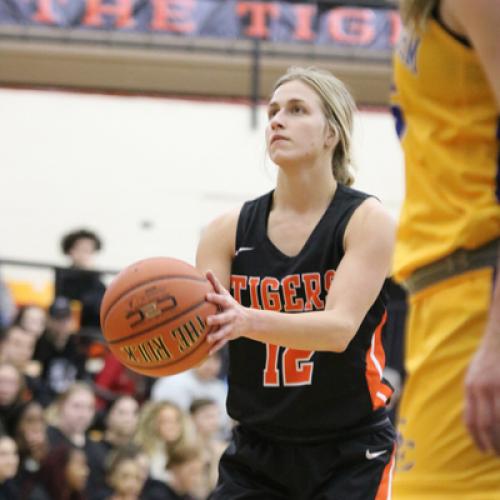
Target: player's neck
{"x": 300, "y": 191}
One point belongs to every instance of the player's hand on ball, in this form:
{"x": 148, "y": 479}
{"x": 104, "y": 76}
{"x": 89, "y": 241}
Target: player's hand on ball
{"x": 482, "y": 400}
{"x": 233, "y": 320}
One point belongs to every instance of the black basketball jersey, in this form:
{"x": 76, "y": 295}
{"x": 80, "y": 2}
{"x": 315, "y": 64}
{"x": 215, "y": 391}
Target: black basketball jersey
{"x": 295, "y": 394}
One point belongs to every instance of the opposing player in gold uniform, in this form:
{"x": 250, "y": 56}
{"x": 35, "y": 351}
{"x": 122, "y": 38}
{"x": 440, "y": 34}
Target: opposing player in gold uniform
{"x": 446, "y": 101}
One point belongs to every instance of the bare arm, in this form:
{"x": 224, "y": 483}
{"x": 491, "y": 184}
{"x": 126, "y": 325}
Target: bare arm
{"x": 217, "y": 246}
{"x": 479, "y": 21}
{"x": 482, "y": 383}
{"x": 368, "y": 249}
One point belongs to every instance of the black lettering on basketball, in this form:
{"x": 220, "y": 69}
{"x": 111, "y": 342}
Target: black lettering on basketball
{"x": 150, "y": 351}
{"x": 188, "y": 334}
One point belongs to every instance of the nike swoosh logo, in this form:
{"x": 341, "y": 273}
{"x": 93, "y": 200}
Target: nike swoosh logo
{"x": 243, "y": 249}
{"x": 370, "y": 455}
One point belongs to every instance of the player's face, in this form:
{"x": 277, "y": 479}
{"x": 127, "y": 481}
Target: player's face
{"x": 297, "y": 130}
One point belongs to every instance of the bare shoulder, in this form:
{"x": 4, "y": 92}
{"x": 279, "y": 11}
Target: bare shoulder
{"x": 371, "y": 223}
{"x": 221, "y": 231}
{"x": 460, "y": 14}
{"x": 371, "y": 211}
{"x": 479, "y": 22}
{"x": 216, "y": 246}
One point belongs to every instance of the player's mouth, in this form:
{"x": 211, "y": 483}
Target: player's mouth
{"x": 278, "y": 137}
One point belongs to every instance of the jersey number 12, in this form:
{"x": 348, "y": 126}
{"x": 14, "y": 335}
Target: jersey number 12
{"x": 296, "y": 366}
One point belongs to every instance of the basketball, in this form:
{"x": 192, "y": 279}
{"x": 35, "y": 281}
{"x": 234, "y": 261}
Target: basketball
{"x": 153, "y": 316}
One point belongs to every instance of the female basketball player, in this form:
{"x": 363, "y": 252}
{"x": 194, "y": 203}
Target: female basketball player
{"x": 305, "y": 265}
{"x": 447, "y": 101}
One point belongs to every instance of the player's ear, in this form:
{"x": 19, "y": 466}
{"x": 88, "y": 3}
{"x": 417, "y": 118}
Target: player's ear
{"x": 331, "y": 137}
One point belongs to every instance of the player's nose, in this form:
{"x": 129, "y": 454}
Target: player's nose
{"x": 277, "y": 121}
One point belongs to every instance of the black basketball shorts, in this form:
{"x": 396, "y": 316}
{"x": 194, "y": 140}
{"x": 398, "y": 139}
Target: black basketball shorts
{"x": 355, "y": 468}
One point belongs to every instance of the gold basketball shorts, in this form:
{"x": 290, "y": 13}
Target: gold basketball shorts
{"x": 437, "y": 458}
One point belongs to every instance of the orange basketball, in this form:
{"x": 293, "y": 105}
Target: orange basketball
{"x": 153, "y": 316}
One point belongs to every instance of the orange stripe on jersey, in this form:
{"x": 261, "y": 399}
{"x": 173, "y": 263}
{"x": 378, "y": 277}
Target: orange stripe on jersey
{"x": 375, "y": 363}
{"x": 384, "y": 491}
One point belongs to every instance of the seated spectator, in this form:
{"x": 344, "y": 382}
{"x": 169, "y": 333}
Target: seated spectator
{"x": 58, "y": 351}
{"x": 125, "y": 476}
{"x": 80, "y": 282}
{"x": 185, "y": 465}
{"x": 120, "y": 426}
{"x": 32, "y": 319}
{"x": 185, "y": 473}
{"x": 153, "y": 489}
{"x": 206, "y": 417}
{"x": 17, "y": 347}
{"x": 30, "y": 433}
{"x": 62, "y": 475}
{"x": 9, "y": 462}
{"x": 12, "y": 394}
{"x": 70, "y": 418}
{"x": 200, "y": 382}
{"x": 162, "y": 425}
{"x": 121, "y": 421}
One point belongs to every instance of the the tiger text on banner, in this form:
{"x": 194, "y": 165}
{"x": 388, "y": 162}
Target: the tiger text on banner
{"x": 341, "y": 26}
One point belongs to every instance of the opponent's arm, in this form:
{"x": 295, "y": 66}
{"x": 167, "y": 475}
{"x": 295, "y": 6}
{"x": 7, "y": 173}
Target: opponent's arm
{"x": 369, "y": 242}
{"x": 479, "y": 21}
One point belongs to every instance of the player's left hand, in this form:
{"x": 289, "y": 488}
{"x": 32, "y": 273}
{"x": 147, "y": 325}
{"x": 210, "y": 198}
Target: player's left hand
{"x": 232, "y": 321}
{"x": 482, "y": 399}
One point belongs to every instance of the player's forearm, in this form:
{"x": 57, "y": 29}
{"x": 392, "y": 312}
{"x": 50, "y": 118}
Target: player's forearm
{"x": 314, "y": 331}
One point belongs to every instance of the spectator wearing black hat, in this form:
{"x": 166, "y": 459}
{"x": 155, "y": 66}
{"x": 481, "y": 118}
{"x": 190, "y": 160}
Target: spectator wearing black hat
{"x": 58, "y": 351}
{"x": 80, "y": 282}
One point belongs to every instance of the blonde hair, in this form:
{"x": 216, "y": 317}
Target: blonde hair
{"x": 147, "y": 428}
{"x": 415, "y": 13}
{"x": 338, "y": 108}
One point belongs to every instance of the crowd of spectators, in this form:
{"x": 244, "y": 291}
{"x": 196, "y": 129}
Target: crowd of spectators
{"x": 75, "y": 424}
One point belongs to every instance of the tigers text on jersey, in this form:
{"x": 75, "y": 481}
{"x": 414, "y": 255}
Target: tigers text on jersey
{"x": 296, "y": 394}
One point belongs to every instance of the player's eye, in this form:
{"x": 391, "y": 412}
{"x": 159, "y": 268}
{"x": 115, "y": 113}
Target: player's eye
{"x": 297, "y": 109}
{"x": 271, "y": 112}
